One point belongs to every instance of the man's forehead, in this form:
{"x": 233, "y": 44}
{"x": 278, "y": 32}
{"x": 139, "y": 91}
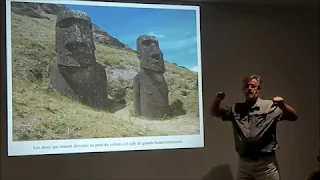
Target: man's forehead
{"x": 252, "y": 81}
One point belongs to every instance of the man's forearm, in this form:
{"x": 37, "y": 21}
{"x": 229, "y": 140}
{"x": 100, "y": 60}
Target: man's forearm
{"x": 288, "y": 112}
{"x": 215, "y": 108}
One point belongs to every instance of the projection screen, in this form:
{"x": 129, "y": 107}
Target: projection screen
{"x": 88, "y": 76}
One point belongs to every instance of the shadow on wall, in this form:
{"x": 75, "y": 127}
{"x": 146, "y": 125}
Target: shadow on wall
{"x": 220, "y": 172}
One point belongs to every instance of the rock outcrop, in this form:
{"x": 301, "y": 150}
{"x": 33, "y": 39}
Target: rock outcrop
{"x": 105, "y": 38}
{"x": 77, "y": 74}
{"x": 36, "y": 10}
{"x": 40, "y": 10}
{"x": 149, "y": 86}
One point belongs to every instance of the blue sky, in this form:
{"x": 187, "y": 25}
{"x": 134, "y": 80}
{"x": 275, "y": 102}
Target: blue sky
{"x": 175, "y": 29}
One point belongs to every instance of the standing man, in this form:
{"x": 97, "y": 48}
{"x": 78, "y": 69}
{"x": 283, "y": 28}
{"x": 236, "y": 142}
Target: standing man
{"x": 254, "y": 123}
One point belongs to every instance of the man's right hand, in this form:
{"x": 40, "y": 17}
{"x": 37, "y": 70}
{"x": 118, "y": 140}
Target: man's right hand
{"x": 220, "y": 96}
{"x": 215, "y": 106}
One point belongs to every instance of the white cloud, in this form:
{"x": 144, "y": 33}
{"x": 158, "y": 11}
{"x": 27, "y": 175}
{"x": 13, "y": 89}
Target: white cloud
{"x": 152, "y": 33}
{"x": 185, "y": 42}
{"x": 194, "y": 68}
{"x": 192, "y": 51}
{"x": 186, "y": 33}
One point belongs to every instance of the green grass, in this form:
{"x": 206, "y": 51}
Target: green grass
{"x": 179, "y": 70}
{"x": 112, "y": 56}
{"x": 40, "y": 113}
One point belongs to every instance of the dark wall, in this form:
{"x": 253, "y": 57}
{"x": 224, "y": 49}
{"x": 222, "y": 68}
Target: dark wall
{"x": 279, "y": 43}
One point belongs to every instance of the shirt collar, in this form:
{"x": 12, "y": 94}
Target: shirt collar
{"x": 258, "y": 102}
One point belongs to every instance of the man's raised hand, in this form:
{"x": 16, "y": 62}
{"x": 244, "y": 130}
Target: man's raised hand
{"x": 220, "y": 96}
{"x": 278, "y": 100}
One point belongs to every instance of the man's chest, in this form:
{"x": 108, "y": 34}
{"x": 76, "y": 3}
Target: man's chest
{"x": 254, "y": 120}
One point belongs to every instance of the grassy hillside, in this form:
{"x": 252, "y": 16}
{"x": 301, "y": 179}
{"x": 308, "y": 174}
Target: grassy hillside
{"x": 39, "y": 112}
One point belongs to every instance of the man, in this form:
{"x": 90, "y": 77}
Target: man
{"x": 254, "y": 124}
{"x": 315, "y": 174}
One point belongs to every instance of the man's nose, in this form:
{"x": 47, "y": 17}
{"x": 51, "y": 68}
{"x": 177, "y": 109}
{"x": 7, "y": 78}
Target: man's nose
{"x": 250, "y": 88}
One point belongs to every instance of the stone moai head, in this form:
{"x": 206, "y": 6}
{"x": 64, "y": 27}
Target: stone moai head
{"x": 149, "y": 53}
{"x": 74, "y": 39}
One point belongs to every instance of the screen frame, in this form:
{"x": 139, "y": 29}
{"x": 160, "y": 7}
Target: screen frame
{"x": 198, "y": 138}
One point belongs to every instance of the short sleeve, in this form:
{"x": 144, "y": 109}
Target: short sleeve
{"x": 226, "y": 113}
{"x": 275, "y": 112}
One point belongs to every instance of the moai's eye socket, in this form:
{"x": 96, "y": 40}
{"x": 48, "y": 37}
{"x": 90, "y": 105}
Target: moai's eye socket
{"x": 76, "y": 46}
{"x": 65, "y": 23}
{"x": 147, "y": 42}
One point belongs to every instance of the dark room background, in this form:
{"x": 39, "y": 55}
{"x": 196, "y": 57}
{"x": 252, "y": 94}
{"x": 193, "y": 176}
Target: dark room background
{"x": 278, "y": 42}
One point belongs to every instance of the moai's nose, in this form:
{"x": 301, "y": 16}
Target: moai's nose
{"x": 156, "y": 56}
{"x": 77, "y": 33}
{"x": 156, "y": 53}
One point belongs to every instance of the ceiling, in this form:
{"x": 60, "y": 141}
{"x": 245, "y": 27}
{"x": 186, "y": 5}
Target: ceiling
{"x": 311, "y": 3}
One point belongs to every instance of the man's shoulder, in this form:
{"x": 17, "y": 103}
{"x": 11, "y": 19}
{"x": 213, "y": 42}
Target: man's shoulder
{"x": 265, "y": 101}
{"x": 239, "y": 106}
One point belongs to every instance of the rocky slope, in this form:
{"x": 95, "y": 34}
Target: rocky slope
{"x": 41, "y": 10}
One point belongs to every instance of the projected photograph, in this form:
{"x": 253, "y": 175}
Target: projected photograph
{"x": 84, "y": 74}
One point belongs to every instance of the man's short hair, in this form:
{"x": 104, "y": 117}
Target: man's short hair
{"x": 248, "y": 78}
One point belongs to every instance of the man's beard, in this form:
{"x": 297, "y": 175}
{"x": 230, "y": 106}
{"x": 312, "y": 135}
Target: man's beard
{"x": 251, "y": 96}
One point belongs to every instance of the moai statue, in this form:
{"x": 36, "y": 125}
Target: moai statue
{"x": 149, "y": 86}
{"x": 77, "y": 74}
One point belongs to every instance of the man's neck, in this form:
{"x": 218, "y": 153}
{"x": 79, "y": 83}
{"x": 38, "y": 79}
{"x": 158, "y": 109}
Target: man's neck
{"x": 251, "y": 102}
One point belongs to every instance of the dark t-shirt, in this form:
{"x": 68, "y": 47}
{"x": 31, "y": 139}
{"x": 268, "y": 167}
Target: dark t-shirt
{"x": 254, "y": 126}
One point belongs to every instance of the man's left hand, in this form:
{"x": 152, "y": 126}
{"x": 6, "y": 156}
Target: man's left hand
{"x": 278, "y": 100}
